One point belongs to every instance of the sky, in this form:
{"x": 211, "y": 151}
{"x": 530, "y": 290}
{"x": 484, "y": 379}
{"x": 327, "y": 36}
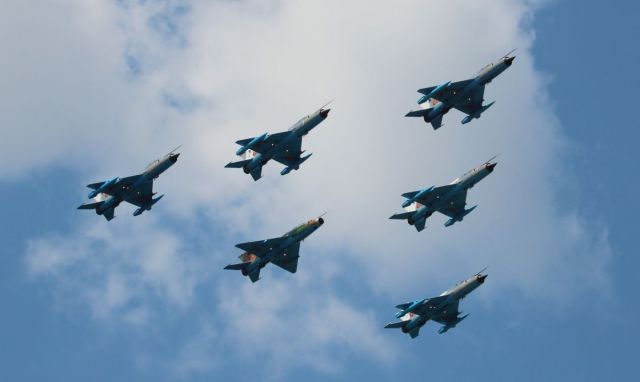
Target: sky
{"x": 95, "y": 89}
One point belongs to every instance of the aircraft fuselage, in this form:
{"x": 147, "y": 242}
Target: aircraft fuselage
{"x": 298, "y": 130}
{"x": 153, "y": 170}
{"x": 463, "y": 183}
{"x": 485, "y": 76}
{"x": 292, "y": 237}
{"x": 456, "y": 293}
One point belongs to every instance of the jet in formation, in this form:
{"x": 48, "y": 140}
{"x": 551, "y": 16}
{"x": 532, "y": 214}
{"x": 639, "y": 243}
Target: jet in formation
{"x": 282, "y": 251}
{"x": 284, "y": 147}
{"x": 466, "y": 96}
{"x": 449, "y": 200}
{"x": 136, "y": 189}
{"x": 442, "y": 309}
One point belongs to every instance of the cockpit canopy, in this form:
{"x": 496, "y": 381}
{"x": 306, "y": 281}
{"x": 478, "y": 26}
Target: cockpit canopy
{"x": 153, "y": 163}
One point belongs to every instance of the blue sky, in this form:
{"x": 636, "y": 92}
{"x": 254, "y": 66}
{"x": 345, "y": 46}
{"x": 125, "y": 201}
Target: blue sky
{"x": 146, "y": 299}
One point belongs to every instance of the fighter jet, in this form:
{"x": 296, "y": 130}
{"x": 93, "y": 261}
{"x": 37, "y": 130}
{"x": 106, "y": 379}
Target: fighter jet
{"x": 449, "y": 200}
{"x": 282, "y": 251}
{"x": 466, "y": 96}
{"x": 442, "y": 309}
{"x": 136, "y": 189}
{"x": 284, "y": 147}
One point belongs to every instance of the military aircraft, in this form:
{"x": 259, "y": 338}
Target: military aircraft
{"x": 466, "y": 96}
{"x": 442, "y": 309}
{"x": 282, "y": 251}
{"x": 284, "y": 147}
{"x": 449, "y": 200}
{"x": 136, "y": 189}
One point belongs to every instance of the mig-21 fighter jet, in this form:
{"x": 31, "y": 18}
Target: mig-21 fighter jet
{"x": 284, "y": 147}
{"x": 282, "y": 251}
{"x": 442, "y": 309}
{"x": 466, "y": 96}
{"x": 136, "y": 189}
{"x": 449, "y": 200}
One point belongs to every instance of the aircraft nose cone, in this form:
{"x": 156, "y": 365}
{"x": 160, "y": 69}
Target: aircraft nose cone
{"x": 321, "y": 221}
{"x": 174, "y": 157}
{"x": 482, "y": 278}
{"x": 491, "y": 166}
{"x": 509, "y": 60}
{"x": 324, "y": 113}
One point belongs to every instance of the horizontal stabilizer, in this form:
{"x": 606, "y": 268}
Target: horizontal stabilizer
{"x": 95, "y": 186}
{"x": 404, "y": 306}
{"x": 236, "y": 267}
{"x": 396, "y": 325}
{"x": 410, "y": 195}
{"x": 89, "y": 206}
{"x": 417, "y": 113}
{"x": 402, "y": 216}
{"x": 244, "y": 142}
{"x": 427, "y": 91}
{"x": 238, "y": 164}
{"x": 254, "y": 276}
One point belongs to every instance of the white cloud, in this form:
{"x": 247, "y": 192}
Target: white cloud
{"x": 237, "y": 69}
{"x": 200, "y": 354}
{"x": 298, "y": 322}
{"x": 121, "y": 272}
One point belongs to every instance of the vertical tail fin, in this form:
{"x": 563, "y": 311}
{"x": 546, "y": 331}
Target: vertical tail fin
{"x": 256, "y": 173}
{"x": 255, "y": 275}
{"x": 415, "y": 332}
{"x": 437, "y": 122}
{"x": 109, "y": 214}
